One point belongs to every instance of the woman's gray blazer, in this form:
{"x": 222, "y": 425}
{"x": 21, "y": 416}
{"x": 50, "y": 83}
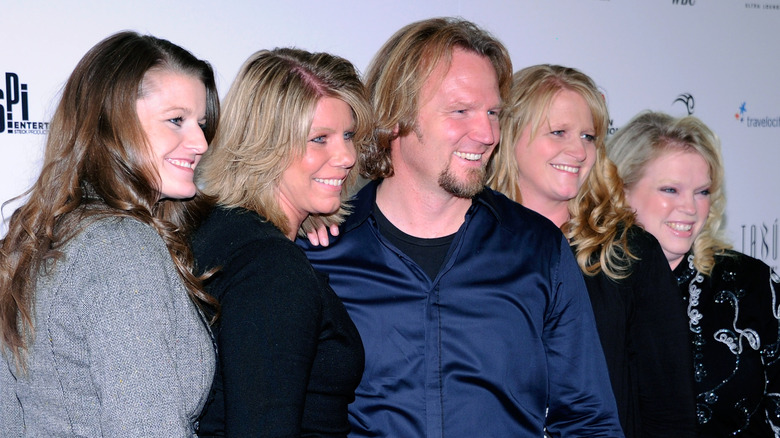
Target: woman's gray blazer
{"x": 119, "y": 348}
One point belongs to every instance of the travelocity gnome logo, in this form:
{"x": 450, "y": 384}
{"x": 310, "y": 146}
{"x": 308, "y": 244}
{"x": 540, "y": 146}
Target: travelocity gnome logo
{"x": 755, "y": 122}
{"x": 14, "y": 109}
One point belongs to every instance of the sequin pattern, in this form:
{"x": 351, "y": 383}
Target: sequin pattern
{"x": 729, "y": 390}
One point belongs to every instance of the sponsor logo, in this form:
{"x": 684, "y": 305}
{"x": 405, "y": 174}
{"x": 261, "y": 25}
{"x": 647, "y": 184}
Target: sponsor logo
{"x": 761, "y": 241}
{"x": 755, "y": 122}
{"x": 684, "y": 2}
{"x": 15, "y": 110}
{"x": 612, "y": 128}
{"x": 762, "y": 6}
{"x": 687, "y": 100}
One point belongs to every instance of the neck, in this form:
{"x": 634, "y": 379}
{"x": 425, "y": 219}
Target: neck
{"x": 418, "y": 212}
{"x": 293, "y": 233}
{"x": 676, "y": 262}
{"x": 557, "y": 211}
{"x": 294, "y": 225}
{"x": 295, "y": 216}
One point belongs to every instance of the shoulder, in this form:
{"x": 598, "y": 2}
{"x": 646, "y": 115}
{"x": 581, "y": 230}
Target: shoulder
{"x": 515, "y": 217}
{"x": 228, "y": 232}
{"x": 639, "y": 238}
{"x": 736, "y": 263}
{"x": 642, "y": 244}
{"x": 117, "y": 239}
{"x": 114, "y": 262}
{"x": 118, "y": 227}
{"x": 246, "y": 247}
{"x": 234, "y": 223}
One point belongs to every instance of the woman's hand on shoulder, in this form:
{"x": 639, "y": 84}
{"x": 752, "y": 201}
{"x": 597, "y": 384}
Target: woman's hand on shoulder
{"x": 316, "y": 230}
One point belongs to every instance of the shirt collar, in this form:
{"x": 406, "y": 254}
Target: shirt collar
{"x": 363, "y": 203}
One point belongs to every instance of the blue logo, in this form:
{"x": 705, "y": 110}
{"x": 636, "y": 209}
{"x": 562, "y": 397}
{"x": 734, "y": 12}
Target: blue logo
{"x": 741, "y": 114}
{"x": 756, "y": 122}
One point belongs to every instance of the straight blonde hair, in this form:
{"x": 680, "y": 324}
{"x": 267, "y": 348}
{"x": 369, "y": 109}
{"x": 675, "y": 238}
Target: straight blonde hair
{"x": 399, "y": 70}
{"x": 266, "y": 118}
{"x": 650, "y": 135}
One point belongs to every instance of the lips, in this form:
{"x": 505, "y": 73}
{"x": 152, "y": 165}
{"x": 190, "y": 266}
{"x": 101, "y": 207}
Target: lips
{"x": 468, "y": 156}
{"x": 569, "y": 169}
{"x": 679, "y": 226}
{"x": 185, "y": 164}
{"x": 335, "y": 182}
{"x": 681, "y": 229}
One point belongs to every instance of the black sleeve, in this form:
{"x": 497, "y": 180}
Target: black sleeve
{"x": 659, "y": 339}
{"x": 764, "y": 285}
{"x": 271, "y": 313}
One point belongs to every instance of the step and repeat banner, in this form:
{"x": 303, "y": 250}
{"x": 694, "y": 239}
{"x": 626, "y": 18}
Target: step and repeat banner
{"x": 715, "y": 59}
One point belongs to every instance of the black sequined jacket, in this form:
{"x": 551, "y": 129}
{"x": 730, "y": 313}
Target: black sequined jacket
{"x": 733, "y": 322}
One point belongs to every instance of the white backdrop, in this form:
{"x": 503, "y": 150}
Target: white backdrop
{"x": 716, "y": 58}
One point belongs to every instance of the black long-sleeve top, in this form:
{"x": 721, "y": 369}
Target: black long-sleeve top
{"x": 289, "y": 356}
{"x": 643, "y": 332}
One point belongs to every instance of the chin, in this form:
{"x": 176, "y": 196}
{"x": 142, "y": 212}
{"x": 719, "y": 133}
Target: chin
{"x": 178, "y": 196}
{"x": 325, "y": 211}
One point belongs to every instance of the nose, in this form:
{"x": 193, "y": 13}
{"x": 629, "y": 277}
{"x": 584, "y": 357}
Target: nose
{"x": 196, "y": 141}
{"x": 687, "y": 204}
{"x": 343, "y": 154}
{"x": 577, "y": 150}
{"x": 485, "y": 129}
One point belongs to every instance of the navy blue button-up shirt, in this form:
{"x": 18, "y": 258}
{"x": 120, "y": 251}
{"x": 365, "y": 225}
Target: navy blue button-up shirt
{"x": 502, "y": 343}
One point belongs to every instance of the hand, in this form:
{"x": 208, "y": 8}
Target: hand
{"x": 316, "y": 230}
{"x": 319, "y": 236}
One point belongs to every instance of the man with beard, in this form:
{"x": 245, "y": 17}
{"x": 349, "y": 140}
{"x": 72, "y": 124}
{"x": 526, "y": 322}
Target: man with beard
{"x": 472, "y": 310}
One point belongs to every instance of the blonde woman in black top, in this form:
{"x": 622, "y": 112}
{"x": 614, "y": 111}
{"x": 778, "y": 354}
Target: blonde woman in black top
{"x": 673, "y": 174}
{"x": 552, "y": 160}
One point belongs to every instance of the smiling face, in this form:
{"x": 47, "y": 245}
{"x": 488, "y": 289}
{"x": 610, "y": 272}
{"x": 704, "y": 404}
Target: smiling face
{"x": 553, "y": 166}
{"x": 172, "y": 112}
{"x": 672, "y": 200}
{"x": 313, "y": 182}
{"x": 457, "y": 128}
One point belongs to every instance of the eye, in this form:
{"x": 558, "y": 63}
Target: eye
{"x": 494, "y": 113}
{"x": 319, "y": 140}
{"x": 668, "y": 190}
{"x": 705, "y": 192}
{"x": 588, "y": 137}
{"x": 176, "y": 121}
{"x": 349, "y": 135}
{"x": 558, "y": 133}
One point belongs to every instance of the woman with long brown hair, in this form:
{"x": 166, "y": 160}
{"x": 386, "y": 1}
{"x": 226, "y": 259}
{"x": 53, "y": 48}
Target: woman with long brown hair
{"x": 99, "y": 309}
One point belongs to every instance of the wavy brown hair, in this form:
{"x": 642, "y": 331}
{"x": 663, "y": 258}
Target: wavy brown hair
{"x": 266, "y": 120}
{"x": 98, "y": 163}
{"x": 651, "y": 134}
{"x": 400, "y": 69}
{"x": 599, "y": 214}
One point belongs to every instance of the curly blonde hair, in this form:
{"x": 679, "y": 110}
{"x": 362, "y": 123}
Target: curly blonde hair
{"x": 599, "y": 214}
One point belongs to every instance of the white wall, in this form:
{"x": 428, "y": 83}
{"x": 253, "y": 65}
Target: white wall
{"x": 643, "y": 54}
